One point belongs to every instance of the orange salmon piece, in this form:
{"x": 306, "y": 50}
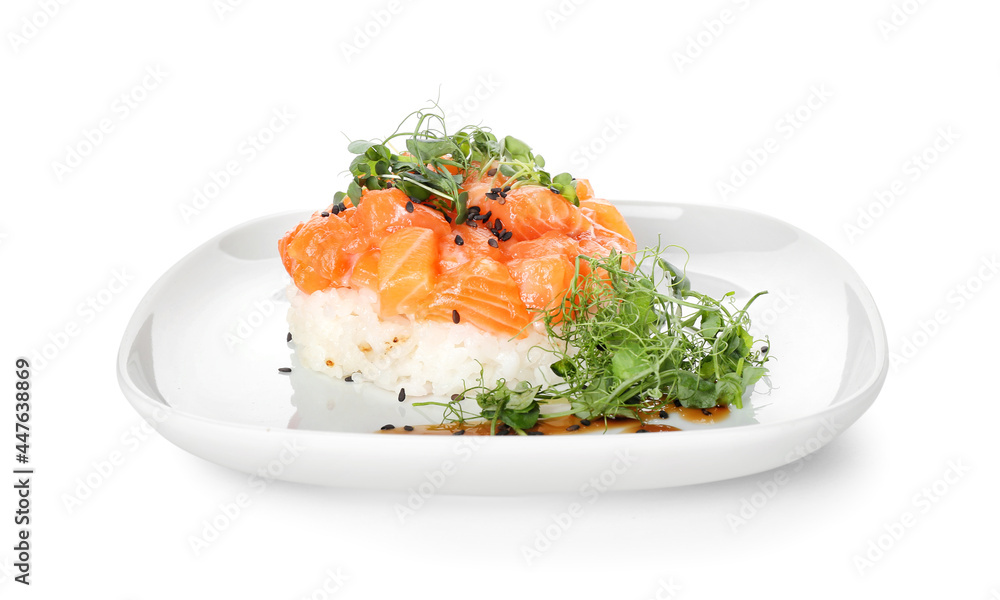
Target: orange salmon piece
{"x": 283, "y": 246}
{"x": 477, "y": 192}
{"x": 305, "y": 244}
{"x": 531, "y": 211}
{"x": 612, "y": 240}
{"x": 331, "y": 261}
{"x": 603, "y": 213}
{"x": 365, "y": 273}
{"x": 484, "y": 294}
{"x": 584, "y": 191}
{"x": 307, "y": 279}
{"x": 384, "y": 211}
{"x": 475, "y": 243}
{"x": 600, "y": 242}
{"x": 551, "y": 243}
{"x": 316, "y": 244}
{"x": 407, "y": 269}
{"x": 481, "y": 176}
{"x": 542, "y": 281}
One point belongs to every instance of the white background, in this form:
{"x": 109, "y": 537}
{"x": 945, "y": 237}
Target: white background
{"x": 691, "y": 93}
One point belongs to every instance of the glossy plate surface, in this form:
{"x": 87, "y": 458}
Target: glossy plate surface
{"x": 200, "y": 357}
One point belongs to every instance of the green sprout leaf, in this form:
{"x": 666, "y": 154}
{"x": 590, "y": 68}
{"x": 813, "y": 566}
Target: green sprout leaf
{"x": 359, "y": 146}
{"x": 354, "y": 192}
{"x": 517, "y": 149}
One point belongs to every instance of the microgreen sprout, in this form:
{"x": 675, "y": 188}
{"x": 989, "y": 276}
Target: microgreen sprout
{"x": 627, "y": 344}
{"x": 435, "y": 164}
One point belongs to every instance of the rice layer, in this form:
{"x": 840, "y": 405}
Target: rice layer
{"x": 339, "y": 332}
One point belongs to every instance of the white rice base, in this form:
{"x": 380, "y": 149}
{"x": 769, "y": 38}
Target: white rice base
{"x": 342, "y": 326}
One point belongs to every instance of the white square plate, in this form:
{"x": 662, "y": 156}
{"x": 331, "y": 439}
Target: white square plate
{"x": 200, "y": 357}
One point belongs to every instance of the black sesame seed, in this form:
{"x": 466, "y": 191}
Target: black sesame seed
{"x": 459, "y": 432}
{"x": 409, "y": 206}
{"x": 459, "y": 240}
{"x": 324, "y": 214}
{"x": 535, "y": 433}
{"x": 388, "y": 185}
{"x": 763, "y": 349}
{"x": 498, "y": 224}
{"x": 495, "y": 190}
{"x": 493, "y": 243}
{"x": 342, "y": 207}
{"x": 505, "y": 189}
{"x": 487, "y": 216}
{"x": 706, "y": 412}
{"x": 554, "y": 189}
{"x": 492, "y": 172}
{"x": 284, "y": 369}
{"x": 642, "y": 431}
{"x": 289, "y": 338}
{"x": 402, "y": 394}
{"x": 336, "y": 209}
{"x": 677, "y": 403}
{"x": 388, "y": 427}
{"x": 585, "y": 422}
{"x": 349, "y": 379}
{"x": 572, "y": 428}
{"x": 664, "y": 414}
{"x": 446, "y": 217}
{"x": 408, "y": 427}
{"x": 503, "y": 432}
{"x": 492, "y": 195}
{"x": 455, "y": 318}
{"x": 506, "y": 235}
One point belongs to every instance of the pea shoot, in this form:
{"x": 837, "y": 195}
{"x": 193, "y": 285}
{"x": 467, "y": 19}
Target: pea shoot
{"x": 627, "y": 344}
{"x": 435, "y": 164}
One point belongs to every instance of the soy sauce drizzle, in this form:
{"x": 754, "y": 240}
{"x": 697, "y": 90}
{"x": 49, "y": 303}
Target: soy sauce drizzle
{"x": 571, "y": 425}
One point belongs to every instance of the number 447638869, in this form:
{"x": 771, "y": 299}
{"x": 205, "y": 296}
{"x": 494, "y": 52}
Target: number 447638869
{"x": 22, "y": 408}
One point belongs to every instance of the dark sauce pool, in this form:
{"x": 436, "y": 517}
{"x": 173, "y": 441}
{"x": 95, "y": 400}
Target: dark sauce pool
{"x": 649, "y": 423}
